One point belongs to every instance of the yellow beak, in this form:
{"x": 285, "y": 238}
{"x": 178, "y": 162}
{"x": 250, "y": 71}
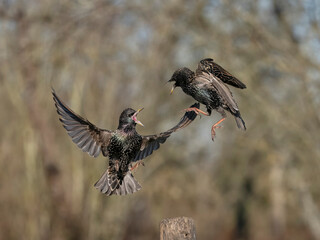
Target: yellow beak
{"x": 140, "y": 123}
{"x": 139, "y": 110}
{"x": 136, "y": 120}
{"x": 172, "y": 89}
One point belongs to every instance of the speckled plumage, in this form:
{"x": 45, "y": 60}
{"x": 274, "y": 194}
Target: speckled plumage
{"x": 123, "y": 147}
{"x": 208, "y": 86}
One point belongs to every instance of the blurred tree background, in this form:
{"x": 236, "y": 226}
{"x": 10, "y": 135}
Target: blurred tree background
{"x": 103, "y": 56}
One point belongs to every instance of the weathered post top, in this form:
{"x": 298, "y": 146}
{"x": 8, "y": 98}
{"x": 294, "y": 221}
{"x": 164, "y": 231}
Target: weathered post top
{"x": 180, "y": 228}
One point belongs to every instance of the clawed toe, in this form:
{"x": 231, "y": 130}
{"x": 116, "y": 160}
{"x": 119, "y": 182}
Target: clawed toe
{"x": 136, "y": 165}
{"x": 215, "y": 126}
{"x": 196, "y": 110}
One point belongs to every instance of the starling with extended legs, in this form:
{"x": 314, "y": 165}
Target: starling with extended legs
{"x": 208, "y": 85}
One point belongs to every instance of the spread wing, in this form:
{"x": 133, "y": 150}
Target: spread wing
{"x": 86, "y": 135}
{"x": 151, "y": 143}
{"x": 211, "y": 83}
{"x": 210, "y": 66}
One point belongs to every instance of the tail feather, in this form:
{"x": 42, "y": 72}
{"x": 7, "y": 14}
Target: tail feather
{"x": 110, "y": 184}
{"x": 129, "y": 185}
{"x": 240, "y": 123}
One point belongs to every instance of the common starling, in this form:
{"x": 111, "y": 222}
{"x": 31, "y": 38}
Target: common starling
{"x": 208, "y": 86}
{"x": 124, "y": 147}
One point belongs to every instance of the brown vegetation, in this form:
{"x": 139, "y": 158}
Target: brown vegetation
{"x": 103, "y": 56}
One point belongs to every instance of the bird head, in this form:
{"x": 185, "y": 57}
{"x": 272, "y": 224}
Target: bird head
{"x": 129, "y": 117}
{"x": 181, "y": 77}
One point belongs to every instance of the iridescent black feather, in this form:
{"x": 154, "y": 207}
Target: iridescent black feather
{"x": 208, "y": 85}
{"x": 123, "y": 146}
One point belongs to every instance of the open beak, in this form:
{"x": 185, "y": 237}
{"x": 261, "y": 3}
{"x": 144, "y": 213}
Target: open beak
{"x": 134, "y": 117}
{"x": 172, "y": 89}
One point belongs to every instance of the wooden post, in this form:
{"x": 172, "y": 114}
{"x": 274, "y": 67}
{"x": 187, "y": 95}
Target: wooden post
{"x": 180, "y": 228}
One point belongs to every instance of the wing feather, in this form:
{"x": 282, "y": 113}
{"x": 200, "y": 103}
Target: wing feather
{"x": 209, "y": 65}
{"x": 208, "y": 80}
{"x": 83, "y": 133}
{"x": 151, "y": 143}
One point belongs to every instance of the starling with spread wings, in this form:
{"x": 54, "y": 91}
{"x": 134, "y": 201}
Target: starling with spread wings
{"x": 124, "y": 147}
{"x": 208, "y": 85}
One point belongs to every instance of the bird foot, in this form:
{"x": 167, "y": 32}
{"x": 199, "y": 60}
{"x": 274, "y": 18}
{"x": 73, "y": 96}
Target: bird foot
{"x": 196, "y": 110}
{"x": 215, "y": 126}
{"x": 136, "y": 165}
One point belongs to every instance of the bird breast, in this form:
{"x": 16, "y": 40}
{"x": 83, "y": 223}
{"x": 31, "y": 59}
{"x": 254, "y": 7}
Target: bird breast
{"x": 123, "y": 146}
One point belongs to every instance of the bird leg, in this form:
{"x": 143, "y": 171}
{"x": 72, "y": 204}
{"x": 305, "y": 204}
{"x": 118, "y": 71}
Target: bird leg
{"x": 214, "y": 126}
{"x": 137, "y": 164}
{"x": 196, "y": 110}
